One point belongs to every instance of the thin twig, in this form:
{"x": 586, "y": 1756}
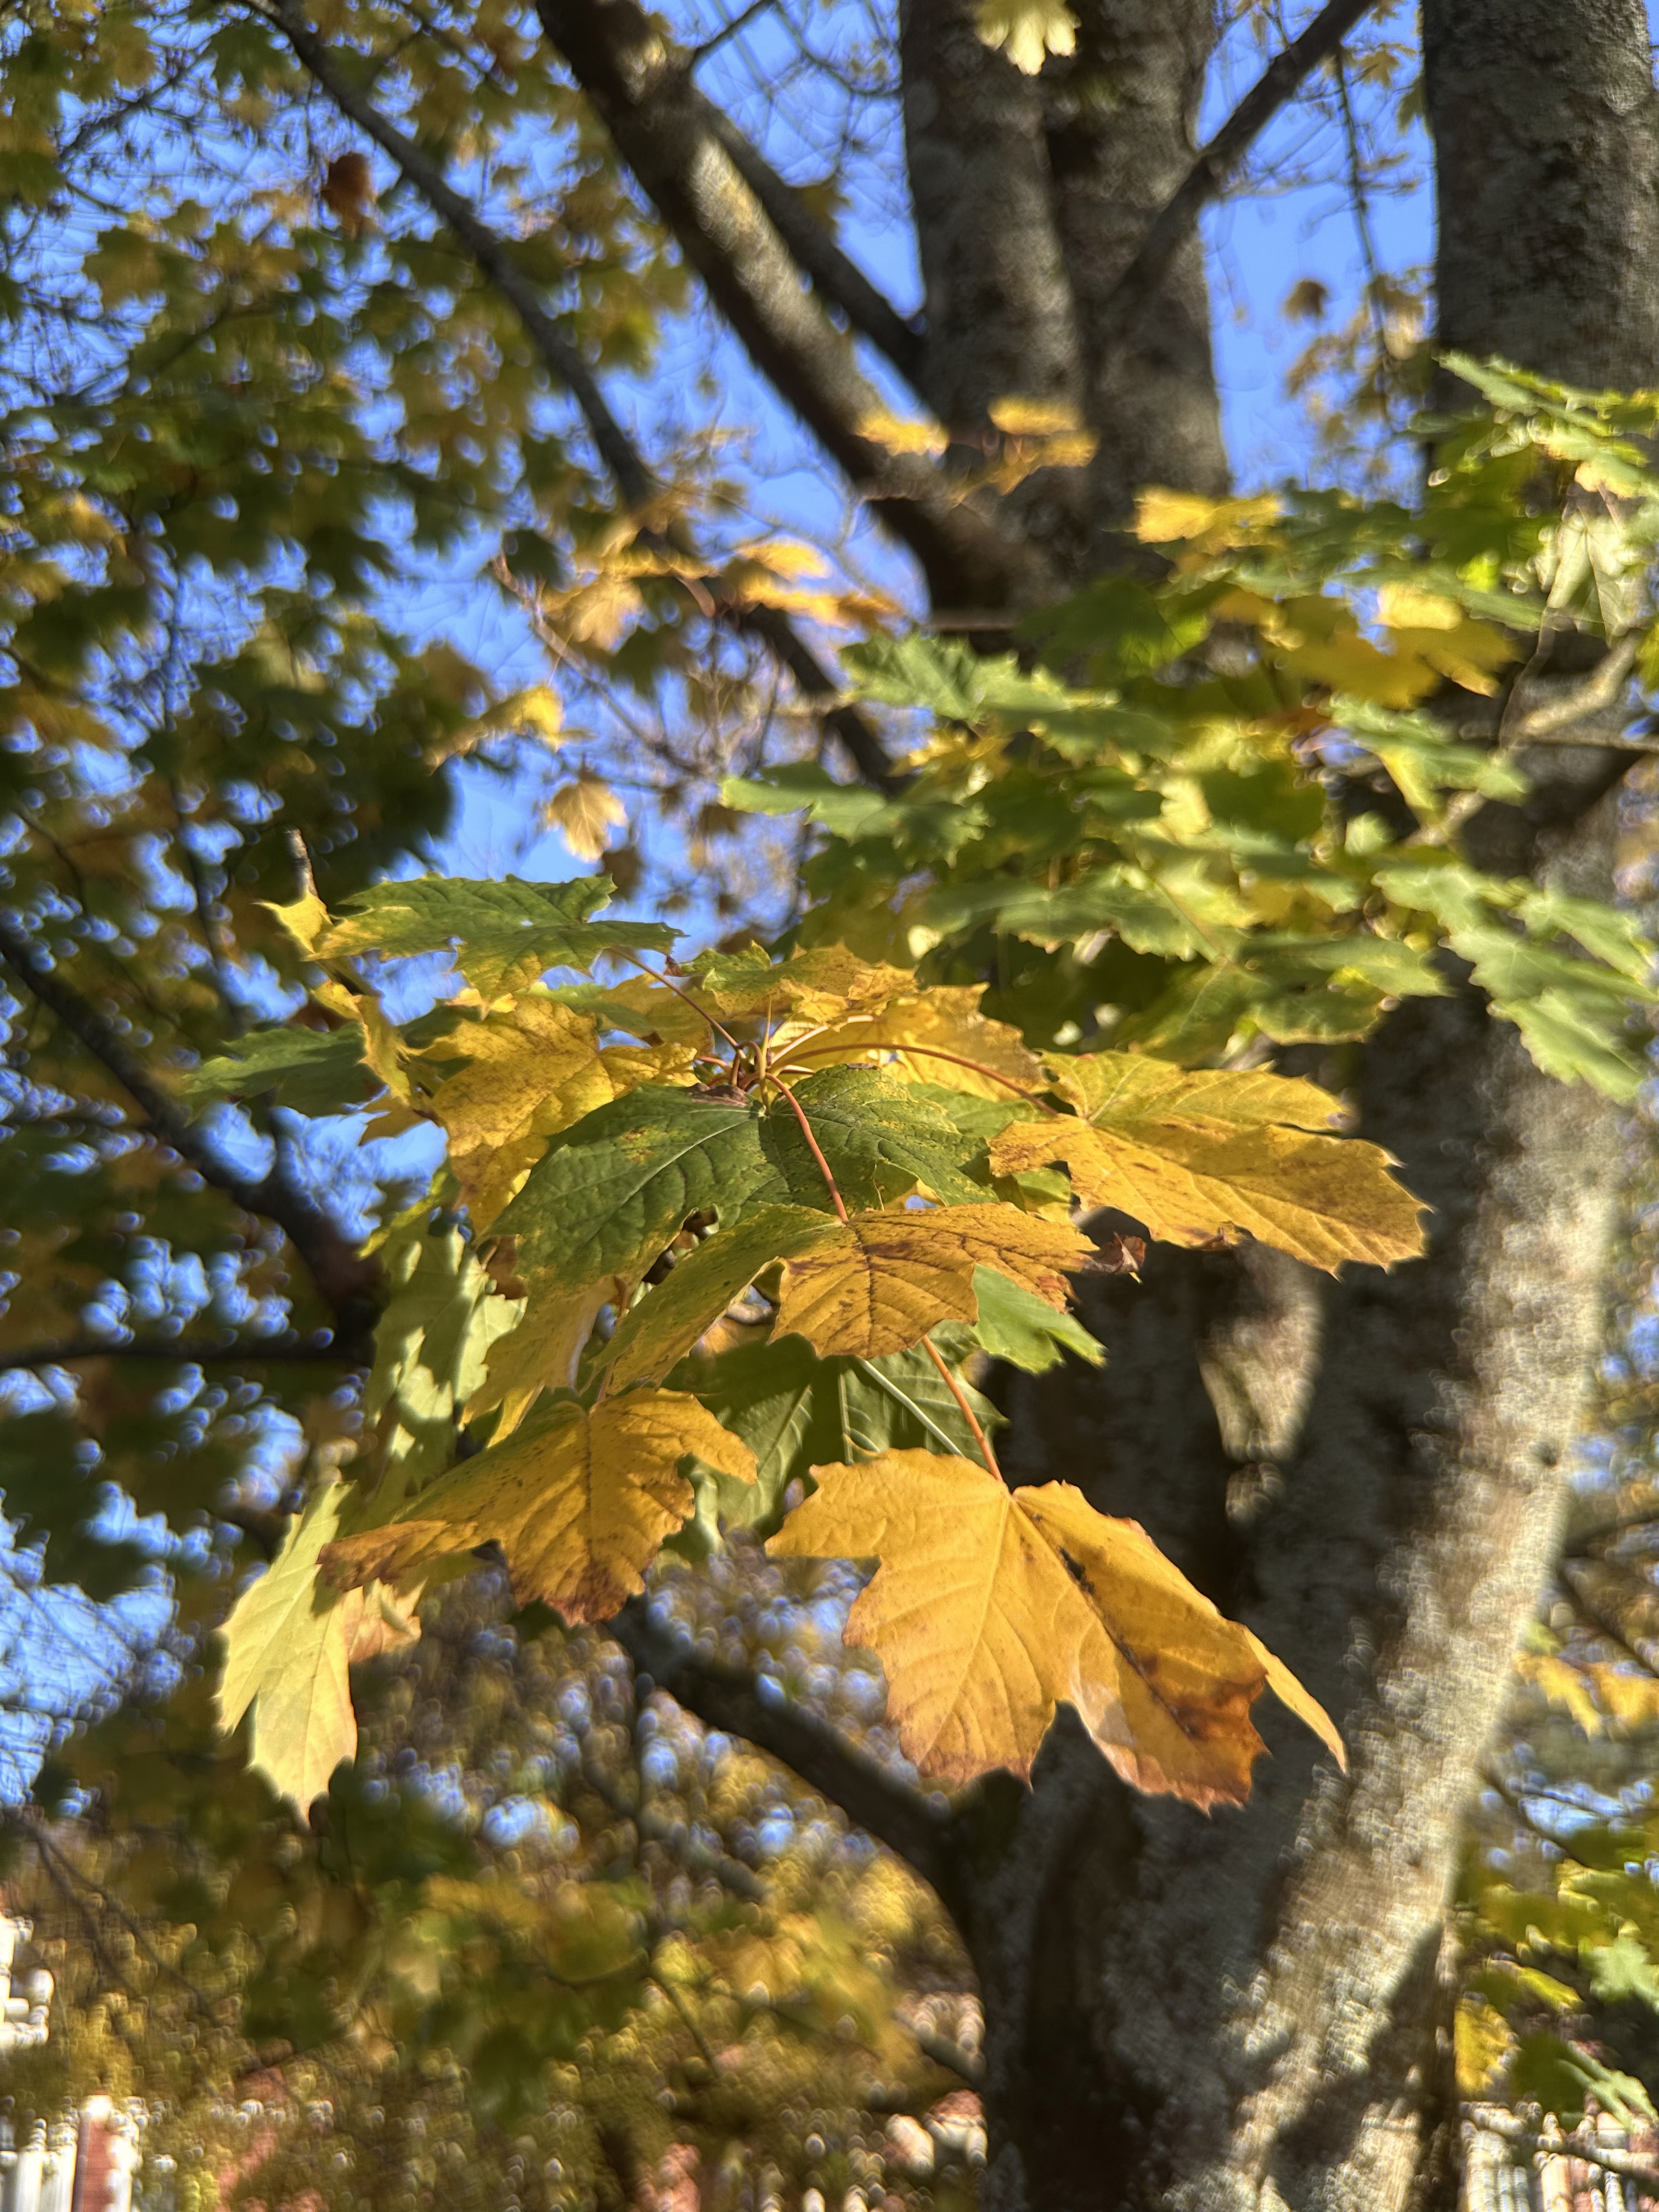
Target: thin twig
{"x": 1216, "y": 163}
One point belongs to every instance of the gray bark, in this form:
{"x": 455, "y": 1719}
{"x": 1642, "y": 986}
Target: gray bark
{"x": 1547, "y": 172}
{"x": 1121, "y": 113}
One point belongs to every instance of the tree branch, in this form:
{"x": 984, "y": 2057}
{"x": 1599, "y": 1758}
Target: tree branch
{"x": 725, "y": 1698}
{"x": 836, "y": 276}
{"x": 181, "y": 1350}
{"x": 659, "y": 123}
{"x": 345, "y": 1280}
{"x": 632, "y": 474}
{"x": 1213, "y": 167}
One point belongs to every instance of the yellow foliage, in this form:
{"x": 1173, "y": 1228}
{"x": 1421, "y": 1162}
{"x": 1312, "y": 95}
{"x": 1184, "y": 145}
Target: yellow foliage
{"x": 579, "y": 1502}
{"x": 1028, "y": 31}
{"x": 929, "y": 1036}
{"x": 1218, "y": 1154}
{"x": 879, "y": 1283}
{"x": 992, "y": 1607}
{"x": 530, "y": 1072}
{"x": 584, "y": 812}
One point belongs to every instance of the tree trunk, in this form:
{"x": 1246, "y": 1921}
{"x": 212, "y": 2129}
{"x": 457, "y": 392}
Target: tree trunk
{"x": 1252, "y": 2010}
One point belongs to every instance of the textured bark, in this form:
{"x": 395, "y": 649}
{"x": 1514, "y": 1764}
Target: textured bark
{"x": 664, "y": 129}
{"x": 1121, "y": 118}
{"x": 1546, "y": 183}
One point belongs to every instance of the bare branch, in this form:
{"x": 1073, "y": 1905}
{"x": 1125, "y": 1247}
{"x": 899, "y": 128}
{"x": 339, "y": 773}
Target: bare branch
{"x": 835, "y": 275}
{"x": 909, "y": 1824}
{"x": 345, "y": 1280}
{"x": 633, "y": 477}
{"x": 1208, "y": 177}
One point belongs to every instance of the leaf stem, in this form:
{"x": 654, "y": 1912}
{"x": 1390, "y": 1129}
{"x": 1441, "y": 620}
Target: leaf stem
{"x": 968, "y": 1414}
{"x": 930, "y": 1052}
{"x": 668, "y": 984}
{"x": 799, "y": 1112}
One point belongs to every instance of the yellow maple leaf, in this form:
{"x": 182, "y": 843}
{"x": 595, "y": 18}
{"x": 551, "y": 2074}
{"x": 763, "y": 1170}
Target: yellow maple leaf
{"x": 530, "y": 1072}
{"x": 585, "y": 812}
{"x": 579, "y": 1502}
{"x": 1209, "y": 526}
{"x": 932, "y": 1036}
{"x": 1483, "y": 2043}
{"x": 878, "y": 1284}
{"x": 820, "y": 985}
{"x": 1217, "y": 1153}
{"x": 1028, "y": 31}
{"x": 288, "y": 1645}
{"x": 993, "y": 1605}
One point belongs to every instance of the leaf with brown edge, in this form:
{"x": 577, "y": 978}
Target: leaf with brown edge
{"x": 937, "y": 1036}
{"x": 993, "y": 1606}
{"x": 580, "y": 1503}
{"x": 879, "y": 1283}
{"x": 1215, "y": 1153}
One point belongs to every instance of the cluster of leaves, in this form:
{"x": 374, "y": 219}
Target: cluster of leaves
{"x": 821, "y": 1156}
{"x": 541, "y": 1935}
{"x": 1222, "y": 808}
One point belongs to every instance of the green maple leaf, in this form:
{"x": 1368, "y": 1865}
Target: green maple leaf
{"x": 505, "y": 935}
{"x": 610, "y": 1191}
{"x": 795, "y": 1411}
{"x": 879, "y": 1138}
{"x": 312, "y": 1071}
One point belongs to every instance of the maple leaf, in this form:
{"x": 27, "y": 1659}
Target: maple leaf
{"x": 527, "y": 1074}
{"x": 669, "y": 1320}
{"x": 1217, "y": 1153}
{"x": 938, "y": 1037}
{"x": 794, "y": 1410}
{"x": 992, "y": 1607}
{"x": 288, "y": 1643}
{"x": 882, "y": 1142}
{"x": 609, "y": 1193}
{"x": 505, "y": 935}
{"x": 880, "y": 1282}
{"x": 585, "y": 812}
{"x": 818, "y": 985}
{"x": 580, "y": 1503}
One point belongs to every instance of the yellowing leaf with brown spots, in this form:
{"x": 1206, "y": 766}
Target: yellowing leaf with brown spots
{"x": 579, "y": 1502}
{"x": 529, "y": 1072}
{"x": 991, "y": 1607}
{"x": 1216, "y": 1153}
{"x": 881, "y": 1282}
{"x": 937, "y": 1036}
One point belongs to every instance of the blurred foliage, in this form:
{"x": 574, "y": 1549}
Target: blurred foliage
{"x": 542, "y": 1933}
